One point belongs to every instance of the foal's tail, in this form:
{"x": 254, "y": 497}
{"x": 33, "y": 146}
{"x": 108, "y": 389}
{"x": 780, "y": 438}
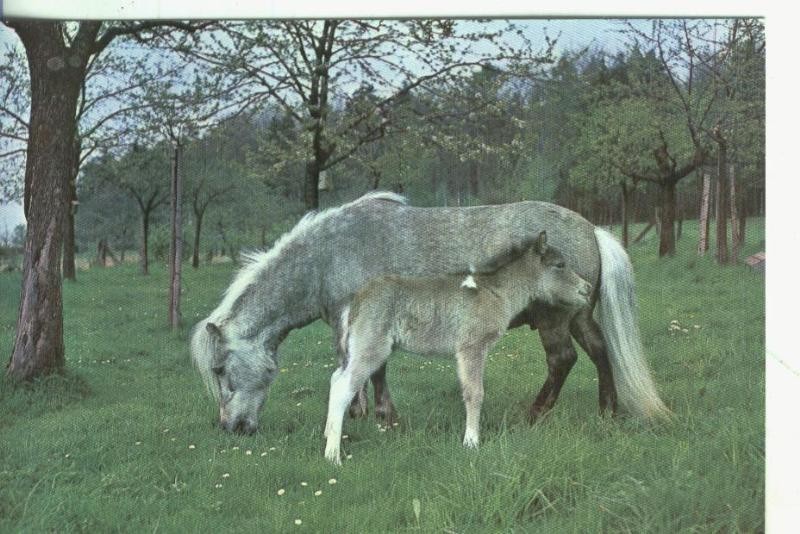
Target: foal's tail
{"x": 636, "y": 390}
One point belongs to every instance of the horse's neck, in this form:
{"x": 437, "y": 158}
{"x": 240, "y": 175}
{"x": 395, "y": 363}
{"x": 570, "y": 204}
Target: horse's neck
{"x": 281, "y": 299}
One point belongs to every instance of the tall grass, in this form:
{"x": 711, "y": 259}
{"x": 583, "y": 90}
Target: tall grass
{"x": 126, "y": 441}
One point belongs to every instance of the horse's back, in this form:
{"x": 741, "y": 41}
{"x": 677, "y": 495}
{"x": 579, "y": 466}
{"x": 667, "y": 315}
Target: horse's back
{"x": 376, "y": 237}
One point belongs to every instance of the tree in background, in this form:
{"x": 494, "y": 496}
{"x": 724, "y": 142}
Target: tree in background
{"x": 310, "y": 67}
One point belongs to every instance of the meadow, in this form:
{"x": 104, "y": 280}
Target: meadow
{"x": 126, "y": 440}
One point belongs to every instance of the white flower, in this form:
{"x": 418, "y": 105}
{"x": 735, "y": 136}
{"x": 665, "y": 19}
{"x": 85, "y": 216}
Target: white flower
{"x": 191, "y": 446}
{"x": 317, "y": 493}
{"x": 226, "y": 475}
{"x": 281, "y": 491}
{"x": 332, "y": 481}
{"x": 298, "y": 521}
{"x": 248, "y": 452}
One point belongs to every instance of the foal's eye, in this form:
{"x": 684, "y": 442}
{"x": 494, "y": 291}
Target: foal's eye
{"x": 560, "y": 265}
{"x": 218, "y": 370}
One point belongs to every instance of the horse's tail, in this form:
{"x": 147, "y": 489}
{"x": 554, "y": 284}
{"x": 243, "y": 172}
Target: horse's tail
{"x": 617, "y": 312}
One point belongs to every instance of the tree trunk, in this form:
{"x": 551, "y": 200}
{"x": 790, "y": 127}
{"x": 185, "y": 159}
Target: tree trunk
{"x": 311, "y": 186}
{"x": 705, "y": 204}
{"x": 198, "y": 223}
{"x": 143, "y": 261}
{"x": 474, "y": 179}
{"x": 68, "y": 261}
{"x": 55, "y": 82}
{"x": 742, "y": 224}
{"x": 723, "y": 256}
{"x": 734, "y": 219}
{"x": 176, "y": 241}
{"x": 666, "y": 245}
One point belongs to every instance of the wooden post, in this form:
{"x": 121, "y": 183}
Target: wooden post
{"x": 705, "y": 203}
{"x": 176, "y": 241}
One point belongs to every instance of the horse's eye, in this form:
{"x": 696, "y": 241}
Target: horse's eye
{"x": 218, "y": 370}
{"x": 560, "y": 265}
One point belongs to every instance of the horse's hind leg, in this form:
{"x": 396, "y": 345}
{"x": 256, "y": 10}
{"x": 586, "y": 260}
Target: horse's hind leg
{"x": 470, "y": 365}
{"x": 589, "y": 336}
{"x": 561, "y": 356}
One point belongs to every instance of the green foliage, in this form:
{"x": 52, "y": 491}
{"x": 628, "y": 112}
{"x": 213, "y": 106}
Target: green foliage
{"x": 126, "y": 441}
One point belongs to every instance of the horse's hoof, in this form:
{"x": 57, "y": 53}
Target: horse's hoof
{"x": 356, "y": 411}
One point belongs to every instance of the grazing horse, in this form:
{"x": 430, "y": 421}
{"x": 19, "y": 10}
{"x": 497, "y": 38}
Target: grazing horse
{"x": 314, "y": 270}
{"x": 443, "y": 315}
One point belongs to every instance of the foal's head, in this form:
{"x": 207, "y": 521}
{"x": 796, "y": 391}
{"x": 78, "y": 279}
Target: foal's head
{"x": 557, "y": 283}
{"x": 238, "y": 370}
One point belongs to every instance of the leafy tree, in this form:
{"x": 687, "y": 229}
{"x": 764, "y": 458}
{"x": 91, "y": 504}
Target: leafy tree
{"x": 309, "y": 66}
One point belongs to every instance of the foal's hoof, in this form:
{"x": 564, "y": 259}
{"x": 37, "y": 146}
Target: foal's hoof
{"x": 358, "y": 408}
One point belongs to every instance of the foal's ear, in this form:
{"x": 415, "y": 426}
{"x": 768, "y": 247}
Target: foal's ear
{"x": 214, "y": 331}
{"x": 541, "y": 243}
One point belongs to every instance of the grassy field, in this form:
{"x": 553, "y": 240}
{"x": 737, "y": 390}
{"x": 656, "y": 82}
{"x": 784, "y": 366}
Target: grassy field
{"x": 126, "y": 441}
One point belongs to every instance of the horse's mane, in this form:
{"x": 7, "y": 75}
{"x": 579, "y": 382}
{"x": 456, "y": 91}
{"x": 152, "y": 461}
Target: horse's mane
{"x": 254, "y": 262}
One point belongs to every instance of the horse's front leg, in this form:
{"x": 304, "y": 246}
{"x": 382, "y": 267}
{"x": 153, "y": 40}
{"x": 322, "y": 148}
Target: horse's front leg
{"x": 561, "y": 356}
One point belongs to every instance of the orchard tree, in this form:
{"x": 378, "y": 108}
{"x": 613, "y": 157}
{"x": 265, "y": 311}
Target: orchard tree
{"x": 58, "y": 54}
{"x": 312, "y": 66}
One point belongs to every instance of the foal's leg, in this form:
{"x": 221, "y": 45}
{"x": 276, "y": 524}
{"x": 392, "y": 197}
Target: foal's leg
{"x": 470, "y": 373}
{"x": 561, "y": 356}
{"x": 590, "y": 338}
{"x": 384, "y": 408}
{"x": 363, "y": 360}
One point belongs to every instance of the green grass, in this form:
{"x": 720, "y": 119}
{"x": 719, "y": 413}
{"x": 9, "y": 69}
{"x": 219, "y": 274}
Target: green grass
{"x": 125, "y": 440}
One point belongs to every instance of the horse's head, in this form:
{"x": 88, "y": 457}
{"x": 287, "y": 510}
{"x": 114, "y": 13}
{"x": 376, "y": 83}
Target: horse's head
{"x": 557, "y": 283}
{"x": 237, "y": 370}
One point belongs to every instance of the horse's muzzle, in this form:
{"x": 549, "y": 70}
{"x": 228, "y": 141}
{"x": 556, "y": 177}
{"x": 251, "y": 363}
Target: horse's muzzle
{"x": 240, "y": 426}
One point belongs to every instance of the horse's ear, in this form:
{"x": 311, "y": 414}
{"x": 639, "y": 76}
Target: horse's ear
{"x": 214, "y": 331}
{"x": 541, "y": 243}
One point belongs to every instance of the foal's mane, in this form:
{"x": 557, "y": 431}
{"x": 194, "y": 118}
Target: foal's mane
{"x": 504, "y": 257}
